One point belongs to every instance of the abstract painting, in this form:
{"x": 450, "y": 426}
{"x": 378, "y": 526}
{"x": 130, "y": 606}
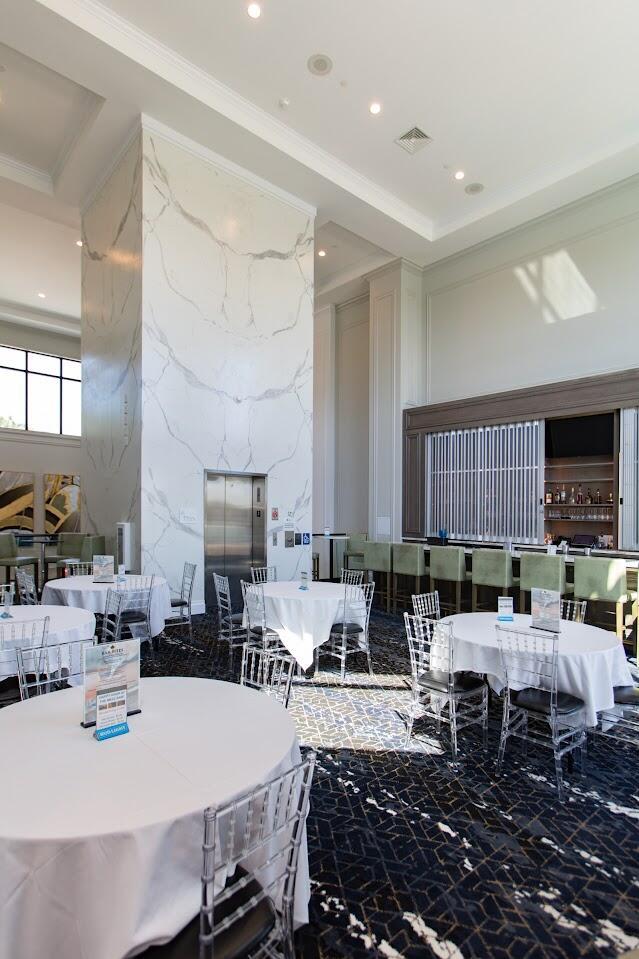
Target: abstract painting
{"x": 61, "y": 503}
{"x": 16, "y": 501}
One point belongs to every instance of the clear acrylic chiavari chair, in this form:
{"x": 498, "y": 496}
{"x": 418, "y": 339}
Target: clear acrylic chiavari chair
{"x": 181, "y": 605}
{"x": 574, "y": 610}
{"x": 45, "y": 669}
{"x": 73, "y": 568}
{"x": 15, "y": 635}
{"x": 135, "y": 613}
{"x": 535, "y": 710}
{"x": 350, "y": 636}
{"x": 459, "y": 700}
{"x": 267, "y": 670}
{"x": 111, "y": 621}
{"x": 26, "y": 588}
{"x": 263, "y": 574}
{"x": 427, "y": 605}
{"x": 231, "y": 625}
{"x": 255, "y": 609}
{"x": 352, "y": 577}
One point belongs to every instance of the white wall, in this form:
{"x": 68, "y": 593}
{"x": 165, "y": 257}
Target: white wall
{"x": 111, "y": 359}
{"x": 554, "y": 301}
{"x": 351, "y": 416}
{"x": 227, "y": 350}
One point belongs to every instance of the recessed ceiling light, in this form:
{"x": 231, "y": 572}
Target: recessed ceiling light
{"x": 375, "y": 108}
{"x": 319, "y": 64}
{"x": 459, "y": 175}
{"x": 78, "y": 242}
{"x": 321, "y": 252}
{"x": 254, "y": 10}
{"x": 42, "y": 296}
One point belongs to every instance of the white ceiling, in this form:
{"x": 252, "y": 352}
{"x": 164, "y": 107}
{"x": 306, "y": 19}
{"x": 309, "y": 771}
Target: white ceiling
{"x": 535, "y": 101}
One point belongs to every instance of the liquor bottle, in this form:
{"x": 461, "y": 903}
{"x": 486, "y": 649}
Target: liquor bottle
{"x": 598, "y": 497}
{"x": 588, "y": 497}
{"x": 557, "y": 496}
{"x": 549, "y": 497}
{"x": 563, "y": 494}
{"x": 580, "y": 496}
{"x": 610, "y": 497}
{"x": 572, "y": 496}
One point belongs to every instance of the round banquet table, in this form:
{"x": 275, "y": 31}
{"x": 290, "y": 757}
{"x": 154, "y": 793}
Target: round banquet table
{"x": 303, "y": 618}
{"x": 66, "y": 625}
{"x": 590, "y": 663}
{"x": 82, "y": 592}
{"x": 100, "y": 843}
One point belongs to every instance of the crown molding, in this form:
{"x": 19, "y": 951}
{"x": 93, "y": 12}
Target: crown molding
{"x": 31, "y": 436}
{"x": 121, "y": 35}
{"x": 157, "y": 129}
{"x": 40, "y": 319}
{"x": 398, "y": 263}
{"x": 26, "y": 175}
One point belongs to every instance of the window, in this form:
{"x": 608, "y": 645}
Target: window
{"x": 39, "y": 392}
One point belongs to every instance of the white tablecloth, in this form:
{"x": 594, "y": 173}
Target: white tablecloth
{"x": 66, "y": 625}
{"x": 100, "y": 843}
{"x": 303, "y": 618}
{"x": 591, "y": 661}
{"x": 82, "y": 592}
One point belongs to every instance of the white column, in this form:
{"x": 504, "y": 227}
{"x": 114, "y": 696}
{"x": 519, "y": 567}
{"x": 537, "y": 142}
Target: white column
{"x": 397, "y": 380}
{"x": 323, "y": 427}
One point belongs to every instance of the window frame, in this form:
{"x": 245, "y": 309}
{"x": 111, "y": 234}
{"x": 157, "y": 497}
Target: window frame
{"x": 52, "y": 376}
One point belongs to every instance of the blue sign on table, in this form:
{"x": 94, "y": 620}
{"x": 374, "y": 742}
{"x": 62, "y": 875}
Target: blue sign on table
{"x": 110, "y": 731}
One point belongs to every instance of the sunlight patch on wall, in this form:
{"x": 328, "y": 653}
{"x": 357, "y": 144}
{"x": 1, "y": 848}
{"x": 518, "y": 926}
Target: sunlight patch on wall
{"x": 559, "y": 288}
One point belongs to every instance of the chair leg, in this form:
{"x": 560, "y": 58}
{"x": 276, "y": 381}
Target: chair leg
{"x": 388, "y": 592}
{"x": 452, "y": 715}
{"x": 619, "y": 621}
{"x": 394, "y": 592}
{"x": 458, "y": 597}
{"x": 473, "y": 605}
{"x": 559, "y": 774}
{"x": 522, "y": 601}
{"x": 503, "y": 737}
{"x": 431, "y": 585}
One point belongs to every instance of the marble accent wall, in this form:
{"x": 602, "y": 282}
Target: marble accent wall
{"x": 111, "y": 351}
{"x": 227, "y": 346}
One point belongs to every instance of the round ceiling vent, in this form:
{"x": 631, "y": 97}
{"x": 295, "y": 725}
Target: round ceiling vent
{"x": 474, "y": 188}
{"x": 319, "y": 64}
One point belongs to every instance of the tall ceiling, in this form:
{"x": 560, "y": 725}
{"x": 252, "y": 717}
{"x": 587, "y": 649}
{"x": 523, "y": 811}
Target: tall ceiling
{"x": 535, "y": 102}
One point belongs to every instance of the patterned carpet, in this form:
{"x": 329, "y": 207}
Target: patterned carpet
{"x": 413, "y": 856}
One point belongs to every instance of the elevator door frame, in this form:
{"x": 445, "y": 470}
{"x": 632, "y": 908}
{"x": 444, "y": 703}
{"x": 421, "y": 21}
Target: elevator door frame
{"x": 222, "y": 554}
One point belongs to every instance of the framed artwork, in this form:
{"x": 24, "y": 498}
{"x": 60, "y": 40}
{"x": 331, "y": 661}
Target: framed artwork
{"x": 16, "y": 501}
{"x": 61, "y": 503}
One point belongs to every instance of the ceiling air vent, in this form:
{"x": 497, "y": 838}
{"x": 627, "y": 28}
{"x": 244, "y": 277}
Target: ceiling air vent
{"x": 413, "y": 140}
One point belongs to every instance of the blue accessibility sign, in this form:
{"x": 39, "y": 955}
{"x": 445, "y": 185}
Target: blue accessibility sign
{"x": 306, "y": 539}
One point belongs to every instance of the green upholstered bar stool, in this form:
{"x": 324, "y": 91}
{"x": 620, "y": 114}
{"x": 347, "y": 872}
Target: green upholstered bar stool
{"x": 494, "y": 568}
{"x": 448, "y": 564}
{"x": 540, "y": 571}
{"x": 354, "y": 553}
{"x": 92, "y": 546}
{"x": 408, "y": 560}
{"x": 378, "y": 559}
{"x": 601, "y": 580}
{"x": 69, "y": 547}
{"x": 9, "y": 557}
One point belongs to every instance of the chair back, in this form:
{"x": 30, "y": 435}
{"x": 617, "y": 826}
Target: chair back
{"x": 20, "y": 635}
{"x": 46, "y": 669}
{"x": 426, "y": 605}
{"x": 598, "y": 578}
{"x": 26, "y": 588}
{"x": 355, "y": 542}
{"x": 529, "y": 660}
{"x": 378, "y": 557}
{"x": 92, "y": 546}
{"x": 188, "y": 579}
{"x": 574, "y": 610}
{"x": 448, "y": 563}
{"x": 112, "y": 619}
{"x": 270, "y": 671}
{"x": 430, "y": 646}
{"x": 253, "y": 594}
{"x": 357, "y": 604}
{"x": 266, "y": 827}
{"x": 492, "y": 567}
{"x": 409, "y": 559}
{"x": 263, "y": 574}
{"x": 75, "y": 568}
{"x": 541, "y": 571}
{"x": 70, "y": 545}
{"x": 8, "y": 546}
{"x": 223, "y": 595}
{"x": 354, "y": 577}
{"x": 136, "y": 596}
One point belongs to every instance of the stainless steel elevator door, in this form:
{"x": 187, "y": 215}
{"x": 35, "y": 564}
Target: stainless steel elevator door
{"x": 234, "y": 530}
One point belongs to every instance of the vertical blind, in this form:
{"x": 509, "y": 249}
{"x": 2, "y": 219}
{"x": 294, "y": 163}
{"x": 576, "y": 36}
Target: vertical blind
{"x": 485, "y": 483}
{"x": 629, "y": 479}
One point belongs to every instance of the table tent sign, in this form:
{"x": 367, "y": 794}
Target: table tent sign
{"x": 545, "y": 608}
{"x": 103, "y": 569}
{"x": 111, "y": 686}
{"x": 505, "y": 609}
